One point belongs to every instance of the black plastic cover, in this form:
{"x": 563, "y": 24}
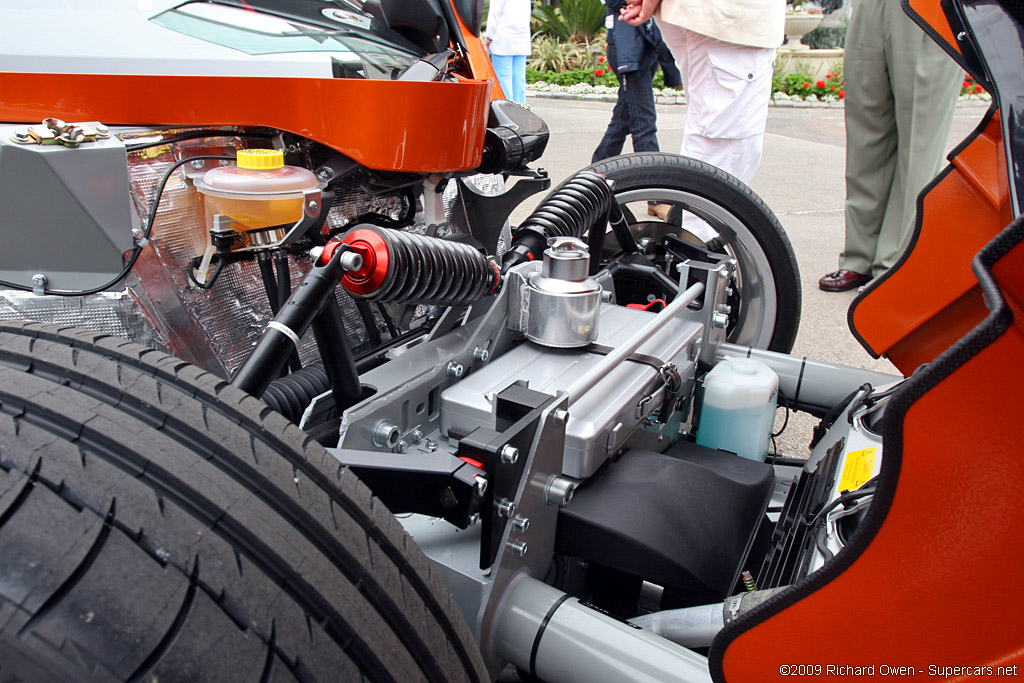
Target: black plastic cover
{"x": 683, "y": 520}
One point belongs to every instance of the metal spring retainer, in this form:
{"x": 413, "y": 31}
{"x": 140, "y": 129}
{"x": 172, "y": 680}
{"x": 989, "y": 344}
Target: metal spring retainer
{"x": 402, "y": 267}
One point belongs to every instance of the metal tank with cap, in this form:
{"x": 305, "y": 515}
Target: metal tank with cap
{"x": 564, "y": 301}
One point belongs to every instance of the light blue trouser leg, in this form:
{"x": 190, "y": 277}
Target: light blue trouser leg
{"x": 503, "y": 70}
{"x": 519, "y": 79}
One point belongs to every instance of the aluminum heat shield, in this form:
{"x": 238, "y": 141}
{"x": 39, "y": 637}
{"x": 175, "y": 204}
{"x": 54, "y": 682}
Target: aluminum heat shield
{"x": 602, "y": 419}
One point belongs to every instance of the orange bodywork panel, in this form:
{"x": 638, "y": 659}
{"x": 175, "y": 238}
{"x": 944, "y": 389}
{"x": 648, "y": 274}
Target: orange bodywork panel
{"x": 931, "y": 298}
{"x": 479, "y": 61}
{"x": 385, "y": 125}
{"x": 934, "y": 586}
{"x": 931, "y": 12}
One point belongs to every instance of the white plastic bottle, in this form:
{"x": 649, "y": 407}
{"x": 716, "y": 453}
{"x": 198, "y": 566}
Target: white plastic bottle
{"x": 738, "y": 410}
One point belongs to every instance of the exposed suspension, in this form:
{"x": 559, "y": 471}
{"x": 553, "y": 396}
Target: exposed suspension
{"x": 571, "y": 211}
{"x": 402, "y": 267}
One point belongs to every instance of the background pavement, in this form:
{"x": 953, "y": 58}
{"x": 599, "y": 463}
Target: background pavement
{"x": 800, "y": 178}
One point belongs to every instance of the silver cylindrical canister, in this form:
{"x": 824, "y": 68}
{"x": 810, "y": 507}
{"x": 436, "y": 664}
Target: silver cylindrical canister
{"x": 564, "y": 302}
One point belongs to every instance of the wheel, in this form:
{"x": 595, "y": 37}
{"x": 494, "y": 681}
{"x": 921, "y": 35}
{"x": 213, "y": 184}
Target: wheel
{"x": 157, "y": 524}
{"x": 713, "y": 209}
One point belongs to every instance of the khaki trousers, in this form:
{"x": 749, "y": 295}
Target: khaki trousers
{"x": 901, "y": 92}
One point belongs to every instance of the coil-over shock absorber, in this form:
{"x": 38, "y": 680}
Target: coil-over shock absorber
{"x": 402, "y": 267}
{"x": 570, "y": 211}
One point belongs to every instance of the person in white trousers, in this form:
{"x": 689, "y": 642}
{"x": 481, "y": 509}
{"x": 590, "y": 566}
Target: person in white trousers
{"x": 508, "y": 41}
{"x": 726, "y": 53}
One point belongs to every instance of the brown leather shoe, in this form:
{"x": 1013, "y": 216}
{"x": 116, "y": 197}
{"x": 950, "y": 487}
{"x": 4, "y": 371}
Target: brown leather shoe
{"x": 842, "y": 280}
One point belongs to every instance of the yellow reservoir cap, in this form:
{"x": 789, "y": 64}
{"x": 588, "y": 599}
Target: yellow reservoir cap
{"x": 260, "y": 159}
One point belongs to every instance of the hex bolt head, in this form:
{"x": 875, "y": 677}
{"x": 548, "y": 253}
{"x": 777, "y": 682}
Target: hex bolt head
{"x": 385, "y": 434}
{"x": 455, "y": 369}
{"x": 521, "y": 524}
{"x": 430, "y": 445}
{"x": 417, "y": 435}
{"x": 559, "y": 490}
{"x": 509, "y": 454}
{"x": 350, "y": 260}
{"x": 39, "y": 280}
{"x": 21, "y": 137}
{"x": 506, "y": 508}
{"x": 518, "y": 547}
{"x": 402, "y": 446}
{"x": 481, "y": 354}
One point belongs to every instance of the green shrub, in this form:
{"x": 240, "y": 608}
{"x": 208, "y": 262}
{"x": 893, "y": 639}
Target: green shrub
{"x": 551, "y": 54}
{"x": 573, "y": 21}
{"x": 825, "y": 38}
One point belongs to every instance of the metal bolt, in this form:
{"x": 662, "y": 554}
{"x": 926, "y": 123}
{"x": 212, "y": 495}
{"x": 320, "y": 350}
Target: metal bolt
{"x": 481, "y": 354}
{"x": 430, "y": 445}
{"x": 509, "y": 454}
{"x": 521, "y": 523}
{"x": 315, "y": 253}
{"x": 455, "y": 369}
{"x": 719, "y": 321}
{"x": 559, "y": 490}
{"x": 560, "y": 416}
{"x": 313, "y": 206}
{"x": 724, "y": 308}
{"x": 606, "y": 296}
{"x": 518, "y": 547}
{"x": 324, "y": 174}
{"x": 962, "y": 36}
{"x": 723, "y": 274}
{"x": 644, "y": 244}
{"x": 474, "y": 519}
{"x": 385, "y": 434}
{"x": 729, "y": 291}
{"x": 21, "y": 136}
{"x": 506, "y": 508}
{"x": 102, "y": 131}
{"x": 197, "y": 163}
{"x": 481, "y": 484}
{"x": 39, "y": 280}
{"x": 403, "y": 446}
{"x": 350, "y": 260}
{"x": 417, "y": 435}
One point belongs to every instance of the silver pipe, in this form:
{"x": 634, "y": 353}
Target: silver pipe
{"x": 581, "y": 386}
{"x": 810, "y": 382}
{"x": 698, "y": 626}
{"x": 689, "y": 626}
{"x": 543, "y": 631}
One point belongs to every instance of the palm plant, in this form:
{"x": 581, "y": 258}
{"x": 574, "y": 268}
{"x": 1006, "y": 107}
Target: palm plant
{"x": 573, "y": 21}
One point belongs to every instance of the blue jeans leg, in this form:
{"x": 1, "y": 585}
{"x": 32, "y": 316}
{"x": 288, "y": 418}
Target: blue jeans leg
{"x": 519, "y": 79}
{"x": 634, "y": 114}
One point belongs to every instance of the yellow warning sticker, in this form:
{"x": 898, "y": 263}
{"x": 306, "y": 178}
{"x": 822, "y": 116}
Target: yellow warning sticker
{"x": 858, "y": 468}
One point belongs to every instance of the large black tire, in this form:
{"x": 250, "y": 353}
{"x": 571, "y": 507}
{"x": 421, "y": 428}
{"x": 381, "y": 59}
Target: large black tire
{"x": 766, "y": 298}
{"x": 157, "y": 524}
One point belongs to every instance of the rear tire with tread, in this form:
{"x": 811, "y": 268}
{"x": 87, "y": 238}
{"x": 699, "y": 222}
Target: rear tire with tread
{"x": 158, "y": 524}
{"x": 766, "y": 304}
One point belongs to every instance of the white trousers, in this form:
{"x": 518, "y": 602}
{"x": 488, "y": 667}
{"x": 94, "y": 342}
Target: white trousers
{"x": 728, "y": 88}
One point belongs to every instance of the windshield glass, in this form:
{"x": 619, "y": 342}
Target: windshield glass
{"x": 357, "y": 51}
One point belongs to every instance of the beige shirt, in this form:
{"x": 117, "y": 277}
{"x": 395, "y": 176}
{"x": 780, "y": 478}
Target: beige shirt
{"x": 758, "y": 23}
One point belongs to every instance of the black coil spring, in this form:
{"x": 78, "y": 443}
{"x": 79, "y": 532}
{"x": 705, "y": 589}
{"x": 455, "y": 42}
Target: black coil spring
{"x": 572, "y": 209}
{"x": 431, "y": 270}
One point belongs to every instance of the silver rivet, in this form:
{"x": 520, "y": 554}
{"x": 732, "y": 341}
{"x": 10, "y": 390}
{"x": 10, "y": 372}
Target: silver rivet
{"x": 39, "y": 280}
{"x": 719, "y": 321}
{"x": 455, "y": 369}
{"x": 560, "y": 416}
{"x": 962, "y": 35}
{"x": 313, "y": 206}
{"x": 521, "y": 524}
{"x": 509, "y": 454}
{"x": 430, "y": 445}
{"x": 481, "y": 354}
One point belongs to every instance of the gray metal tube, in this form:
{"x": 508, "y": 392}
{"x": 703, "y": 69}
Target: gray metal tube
{"x": 809, "y": 382}
{"x": 588, "y": 381}
{"x": 689, "y": 626}
{"x": 543, "y": 631}
{"x": 698, "y": 626}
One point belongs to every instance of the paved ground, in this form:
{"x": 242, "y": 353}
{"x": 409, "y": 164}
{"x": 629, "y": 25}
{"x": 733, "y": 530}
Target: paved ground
{"x": 800, "y": 178}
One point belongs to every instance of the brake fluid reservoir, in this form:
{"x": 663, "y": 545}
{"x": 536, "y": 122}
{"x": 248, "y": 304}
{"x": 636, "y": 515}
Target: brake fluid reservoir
{"x": 258, "y": 191}
{"x": 738, "y": 410}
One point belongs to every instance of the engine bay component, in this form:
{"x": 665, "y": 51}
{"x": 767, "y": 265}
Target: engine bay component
{"x": 401, "y": 267}
{"x": 738, "y": 408}
{"x": 563, "y": 303}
